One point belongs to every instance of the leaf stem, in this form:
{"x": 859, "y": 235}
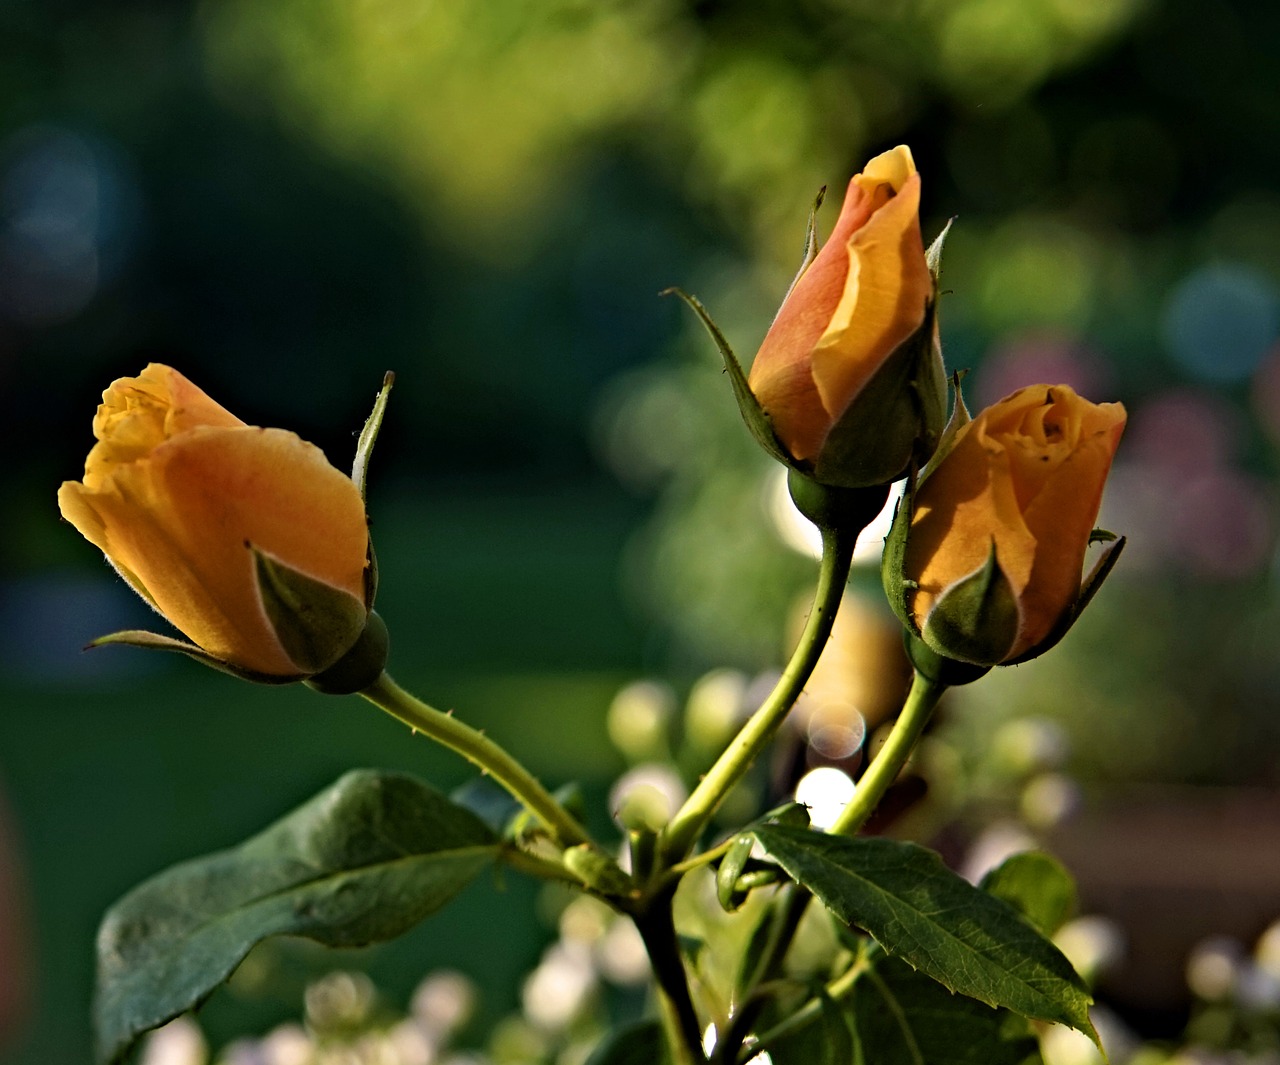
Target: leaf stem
{"x": 684, "y": 829}
{"x": 884, "y": 768}
{"x": 810, "y": 1011}
{"x": 478, "y": 749}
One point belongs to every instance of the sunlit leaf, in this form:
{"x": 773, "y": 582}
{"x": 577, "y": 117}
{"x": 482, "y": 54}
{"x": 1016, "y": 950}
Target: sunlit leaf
{"x": 1037, "y": 886}
{"x": 939, "y": 923}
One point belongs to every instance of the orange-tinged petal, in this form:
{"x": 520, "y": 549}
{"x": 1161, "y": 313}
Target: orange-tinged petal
{"x": 865, "y": 292}
{"x": 180, "y": 523}
{"x": 884, "y": 301}
{"x": 780, "y": 375}
{"x": 1027, "y": 475}
{"x": 892, "y": 168}
{"x": 960, "y": 509}
{"x": 139, "y": 413}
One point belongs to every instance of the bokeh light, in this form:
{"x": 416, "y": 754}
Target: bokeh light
{"x": 1221, "y": 320}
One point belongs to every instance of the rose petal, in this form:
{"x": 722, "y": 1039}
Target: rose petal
{"x": 178, "y": 523}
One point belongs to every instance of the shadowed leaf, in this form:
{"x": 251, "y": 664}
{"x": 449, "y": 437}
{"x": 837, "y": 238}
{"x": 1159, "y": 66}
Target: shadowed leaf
{"x": 362, "y": 862}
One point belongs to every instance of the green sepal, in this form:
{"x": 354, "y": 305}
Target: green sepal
{"x": 893, "y": 560}
{"x": 1107, "y": 559}
{"x": 938, "y": 669}
{"x": 828, "y": 506}
{"x": 315, "y": 622}
{"x": 976, "y": 619}
{"x": 360, "y": 473}
{"x": 361, "y": 665}
{"x": 810, "y": 242}
{"x": 960, "y": 417}
{"x": 752, "y": 413}
{"x": 153, "y": 641}
{"x": 898, "y": 416}
{"x": 369, "y": 435}
{"x": 933, "y": 256}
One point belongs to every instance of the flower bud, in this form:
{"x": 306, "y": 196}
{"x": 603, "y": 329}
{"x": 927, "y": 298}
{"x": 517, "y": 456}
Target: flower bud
{"x": 984, "y": 562}
{"x": 246, "y": 539}
{"x": 850, "y": 375}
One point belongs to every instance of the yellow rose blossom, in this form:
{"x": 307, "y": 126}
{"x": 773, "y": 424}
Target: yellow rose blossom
{"x": 186, "y": 501}
{"x": 868, "y": 292}
{"x": 1022, "y": 483}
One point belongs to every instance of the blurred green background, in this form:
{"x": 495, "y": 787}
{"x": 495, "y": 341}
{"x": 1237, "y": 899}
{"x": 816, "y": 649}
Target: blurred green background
{"x": 284, "y": 200}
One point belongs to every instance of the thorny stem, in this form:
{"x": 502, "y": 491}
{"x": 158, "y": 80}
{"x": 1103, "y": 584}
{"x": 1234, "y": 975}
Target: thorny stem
{"x": 884, "y": 769}
{"x": 688, "y": 823}
{"x": 478, "y": 749}
{"x": 888, "y": 763}
{"x": 657, "y": 929}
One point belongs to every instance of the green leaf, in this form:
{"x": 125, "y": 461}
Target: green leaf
{"x": 362, "y": 862}
{"x": 902, "y": 1017}
{"x": 939, "y": 923}
{"x": 634, "y": 1044}
{"x": 1037, "y": 886}
{"x": 827, "y": 1041}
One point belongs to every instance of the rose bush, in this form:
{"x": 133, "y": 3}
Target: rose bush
{"x": 245, "y": 538}
{"x": 849, "y": 374}
{"x": 992, "y": 565}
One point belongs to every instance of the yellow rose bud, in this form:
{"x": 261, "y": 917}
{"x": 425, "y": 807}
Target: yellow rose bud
{"x": 849, "y": 373}
{"x": 246, "y": 539}
{"x": 994, "y": 554}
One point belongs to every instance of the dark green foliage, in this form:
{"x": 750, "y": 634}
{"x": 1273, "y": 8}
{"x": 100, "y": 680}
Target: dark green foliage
{"x": 937, "y": 922}
{"x": 362, "y": 862}
{"x": 903, "y": 1017}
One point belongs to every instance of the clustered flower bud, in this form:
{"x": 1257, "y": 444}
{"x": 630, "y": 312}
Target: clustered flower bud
{"x": 848, "y": 390}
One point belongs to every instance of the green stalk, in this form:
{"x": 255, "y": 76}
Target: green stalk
{"x": 884, "y": 769}
{"x": 812, "y": 1010}
{"x": 888, "y": 763}
{"x": 688, "y": 823}
{"x": 657, "y": 929}
{"x": 478, "y": 749}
